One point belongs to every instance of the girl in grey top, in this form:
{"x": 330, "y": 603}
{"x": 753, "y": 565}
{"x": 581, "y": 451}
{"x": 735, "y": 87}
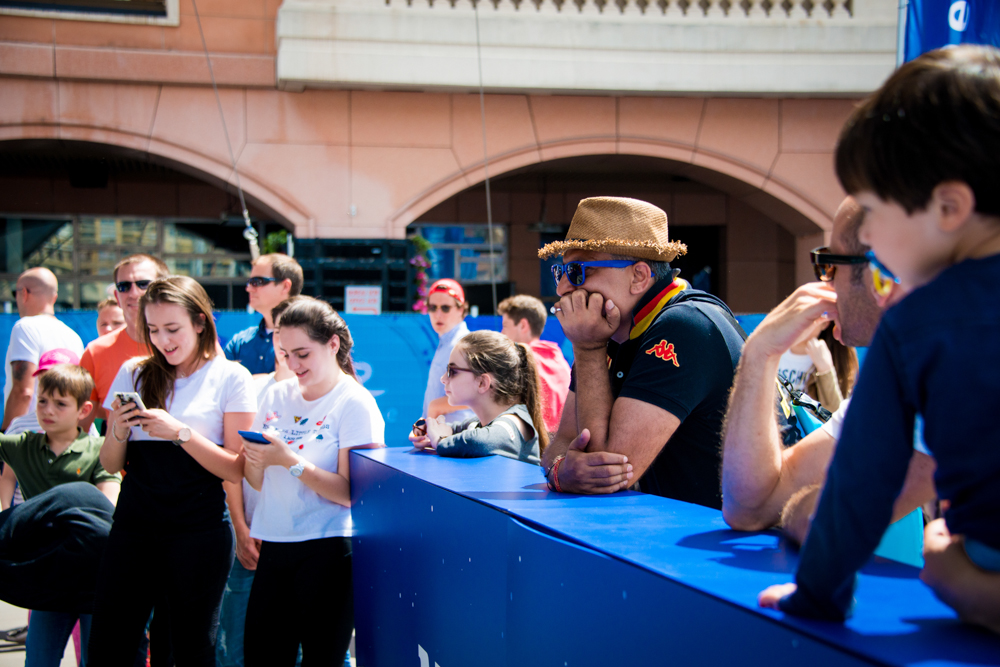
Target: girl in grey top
{"x": 496, "y": 378}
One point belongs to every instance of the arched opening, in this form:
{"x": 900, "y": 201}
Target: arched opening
{"x": 742, "y": 242}
{"x": 78, "y": 207}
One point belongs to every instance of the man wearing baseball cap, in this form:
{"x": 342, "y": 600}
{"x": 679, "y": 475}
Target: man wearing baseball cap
{"x": 447, "y": 308}
{"x": 654, "y": 360}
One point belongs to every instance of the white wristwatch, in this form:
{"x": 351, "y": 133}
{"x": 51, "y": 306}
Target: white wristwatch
{"x": 298, "y": 469}
{"x": 183, "y": 435}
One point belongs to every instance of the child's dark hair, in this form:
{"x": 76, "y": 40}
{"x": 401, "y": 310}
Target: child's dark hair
{"x": 66, "y": 380}
{"x": 936, "y": 119}
{"x": 321, "y": 323}
{"x": 154, "y": 374}
{"x": 512, "y": 367}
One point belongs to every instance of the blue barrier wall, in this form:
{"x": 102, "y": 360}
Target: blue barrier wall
{"x": 475, "y": 562}
{"x": 392, "y": 353}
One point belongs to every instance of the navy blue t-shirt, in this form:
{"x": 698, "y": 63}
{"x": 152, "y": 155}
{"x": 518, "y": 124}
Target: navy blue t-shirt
{"x": 684, "y": 363}
{"x": 936, "y": 353}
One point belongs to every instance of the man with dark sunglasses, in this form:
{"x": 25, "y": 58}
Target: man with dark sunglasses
{"x": 654, "y": 360}
{"x": 105, "y": 355}
{"x": 764, "y": 484}
{"x": 446, "y": 308}
{"x": 273, "y": 278}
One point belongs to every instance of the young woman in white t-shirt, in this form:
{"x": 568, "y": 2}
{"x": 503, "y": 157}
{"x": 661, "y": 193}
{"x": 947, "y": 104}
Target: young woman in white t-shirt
{"x": 303, "y": 518}
{"x": 171, "y": 545}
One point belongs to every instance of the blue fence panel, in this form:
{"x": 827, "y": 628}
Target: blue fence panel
{"x": 392, "y": 353}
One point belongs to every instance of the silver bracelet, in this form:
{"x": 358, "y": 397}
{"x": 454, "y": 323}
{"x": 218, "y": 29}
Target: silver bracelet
{"x": 120, "y": 441}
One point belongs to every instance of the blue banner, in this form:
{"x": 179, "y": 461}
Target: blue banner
{"x": 931, "y": 24}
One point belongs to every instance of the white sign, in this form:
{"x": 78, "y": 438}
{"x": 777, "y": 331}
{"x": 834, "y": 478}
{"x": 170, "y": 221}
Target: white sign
{"x": 363, "y": 300}
{"x": 958, "y": 16}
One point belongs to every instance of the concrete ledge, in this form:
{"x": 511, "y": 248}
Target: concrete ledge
{"x": 367, "y": 45}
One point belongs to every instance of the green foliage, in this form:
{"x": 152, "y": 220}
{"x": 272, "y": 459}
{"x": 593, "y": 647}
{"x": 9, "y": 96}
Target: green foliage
{"x": 275, "y": 242}
{"x": 420, "y": 244}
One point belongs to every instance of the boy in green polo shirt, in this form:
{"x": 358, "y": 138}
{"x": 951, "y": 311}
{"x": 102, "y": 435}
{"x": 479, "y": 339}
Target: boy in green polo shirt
{"x": 63, "y": 453}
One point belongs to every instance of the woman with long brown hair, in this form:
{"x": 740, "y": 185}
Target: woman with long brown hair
{"x": 171, "y": 545}
{"x": 497, "y": 379}
{"x": 821, "y": 366}
{"x": 303, "y": 518}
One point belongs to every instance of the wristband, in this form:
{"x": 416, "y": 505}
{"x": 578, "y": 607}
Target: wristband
{"x": 554, "y": 484}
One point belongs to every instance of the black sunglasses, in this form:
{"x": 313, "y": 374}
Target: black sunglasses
{"x": 126, "y": 285}
{"x": 444, "y": 309}
{"x": 452, "y": 370}
{"x": 259, "y": 281}
{"x": 825, "y": 263}
{"x": 576, "y": 272}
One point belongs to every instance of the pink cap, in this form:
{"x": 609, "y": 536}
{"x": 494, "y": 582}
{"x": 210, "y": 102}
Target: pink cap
{"x": 55, "y": 357}
{"x": 449, "y": 287}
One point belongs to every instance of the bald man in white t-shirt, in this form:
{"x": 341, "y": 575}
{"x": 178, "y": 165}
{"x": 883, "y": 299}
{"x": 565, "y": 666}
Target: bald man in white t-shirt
{"x": 37, "y": 332}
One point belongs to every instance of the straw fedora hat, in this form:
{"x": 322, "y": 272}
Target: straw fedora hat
{"x": 619, "y": 226}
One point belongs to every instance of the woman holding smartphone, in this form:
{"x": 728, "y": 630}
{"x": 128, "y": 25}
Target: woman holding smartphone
{"x": 303, "y": 517}
{"x": 171, "y": 545}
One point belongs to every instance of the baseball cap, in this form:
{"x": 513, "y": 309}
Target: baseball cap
{"x": 449, "y": 287}
{"x": 55, "y": 357}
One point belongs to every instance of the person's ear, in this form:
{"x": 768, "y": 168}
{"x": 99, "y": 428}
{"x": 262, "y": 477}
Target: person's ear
{"x": 524, "y": 327}
{"x": 954, "y": 202}
{"x": 335, "y": 344}
{"x": 84, "y": 410}
{"x": 286, "y": 287}
{"x": 199, "y": 323}
{"x": 642, "y": 278}
{"x": 485, "y": 383}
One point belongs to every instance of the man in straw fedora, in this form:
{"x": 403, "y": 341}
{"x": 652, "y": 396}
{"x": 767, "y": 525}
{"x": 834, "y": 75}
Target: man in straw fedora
{"x": 654, "y": 360}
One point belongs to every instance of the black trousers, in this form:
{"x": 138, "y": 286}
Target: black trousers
{"x": 302, "y": 593}
{"x": 182, "y": 576}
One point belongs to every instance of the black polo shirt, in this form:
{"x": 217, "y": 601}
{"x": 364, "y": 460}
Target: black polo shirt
{"x": 681, "y": 356}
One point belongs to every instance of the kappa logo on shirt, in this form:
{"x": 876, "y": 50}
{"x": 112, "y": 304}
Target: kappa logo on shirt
{"x": 664, "y": 350}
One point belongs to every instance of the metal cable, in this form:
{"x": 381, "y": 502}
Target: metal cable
{"x": 486, "y": 160}
{"x": 249, "y": 233}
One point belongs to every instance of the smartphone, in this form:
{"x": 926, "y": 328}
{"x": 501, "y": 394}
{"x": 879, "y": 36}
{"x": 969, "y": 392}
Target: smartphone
{"x": 254, "y": 436}
{"x": 130, "y": 396}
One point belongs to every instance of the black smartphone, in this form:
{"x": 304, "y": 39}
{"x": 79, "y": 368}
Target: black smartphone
{"x": 254, "y": 436}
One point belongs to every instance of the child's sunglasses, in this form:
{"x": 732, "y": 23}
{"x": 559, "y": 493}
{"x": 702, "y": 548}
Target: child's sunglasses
{"x": 882, "y": 277}
{"x": 576, "y": 271}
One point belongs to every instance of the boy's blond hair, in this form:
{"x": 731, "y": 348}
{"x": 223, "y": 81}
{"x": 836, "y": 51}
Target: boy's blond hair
{"x": 67, "y": 380}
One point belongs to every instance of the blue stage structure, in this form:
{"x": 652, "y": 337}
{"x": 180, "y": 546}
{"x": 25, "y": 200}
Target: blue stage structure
{"x": 475, "y": 562}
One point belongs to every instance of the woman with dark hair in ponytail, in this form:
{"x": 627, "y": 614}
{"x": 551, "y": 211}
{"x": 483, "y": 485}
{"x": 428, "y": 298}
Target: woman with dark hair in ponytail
{"x": 171, "y": 544}
{"x": 497, "y": 379}
{"x": 303, "y": 518}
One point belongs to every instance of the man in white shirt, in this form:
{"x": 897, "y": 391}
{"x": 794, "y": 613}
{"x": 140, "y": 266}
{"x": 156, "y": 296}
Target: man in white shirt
{"x": 764, "y": 484}
{"x": 37, "y": 332}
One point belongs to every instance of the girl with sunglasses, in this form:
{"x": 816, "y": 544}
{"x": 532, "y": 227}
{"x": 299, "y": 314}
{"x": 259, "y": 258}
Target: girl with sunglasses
{"x": 303, "y": 517}
{"x": 496, "y": 377}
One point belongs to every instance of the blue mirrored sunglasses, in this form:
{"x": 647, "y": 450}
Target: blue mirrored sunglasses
{"x": 882, "y": 277}
{"x": 576, "y": 274}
